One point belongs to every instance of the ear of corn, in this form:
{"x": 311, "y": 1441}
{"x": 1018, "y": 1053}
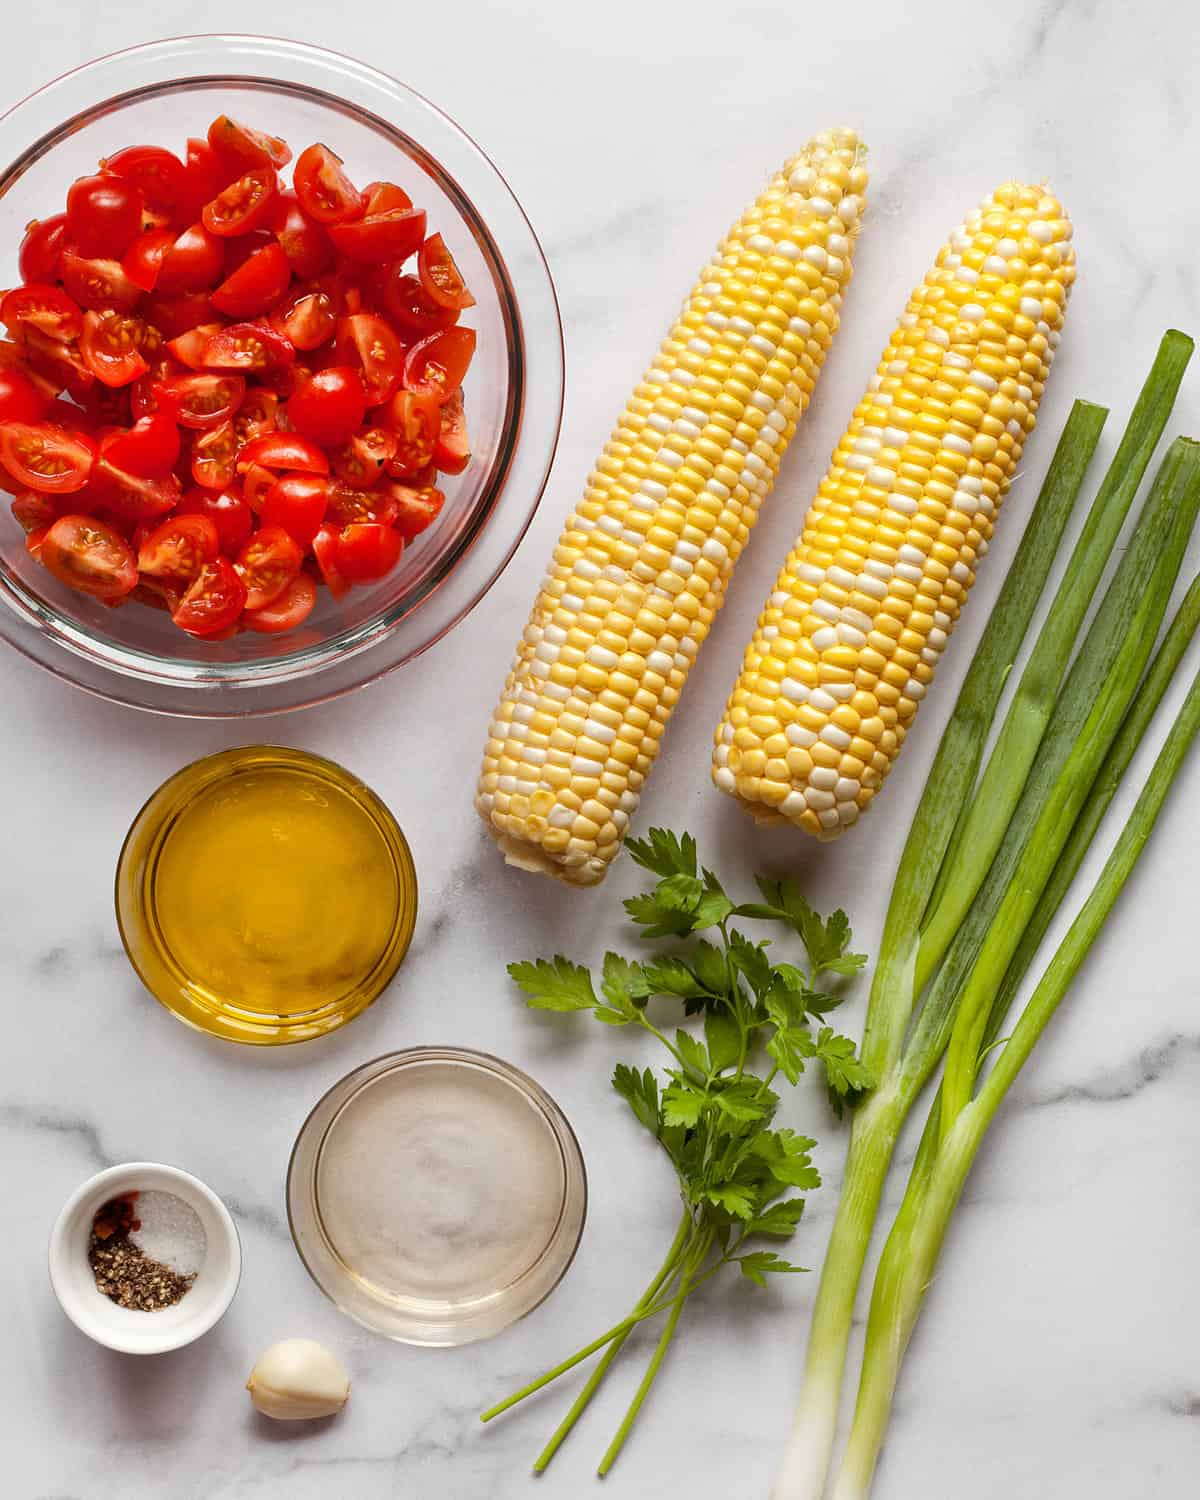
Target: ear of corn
{"x": 641, "y": 566}
{"x": 847, "y": 643}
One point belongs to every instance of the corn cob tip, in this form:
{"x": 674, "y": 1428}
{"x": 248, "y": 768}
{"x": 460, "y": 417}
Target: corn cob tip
{"x": 847, "y": 643}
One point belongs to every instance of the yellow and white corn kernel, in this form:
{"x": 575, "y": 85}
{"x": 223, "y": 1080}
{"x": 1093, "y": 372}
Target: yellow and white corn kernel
{"x": 847, "y": 643}
{"x": 641, "y": 566}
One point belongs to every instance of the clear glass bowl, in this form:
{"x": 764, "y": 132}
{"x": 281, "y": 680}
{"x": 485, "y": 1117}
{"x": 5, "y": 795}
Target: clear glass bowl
{"x": 160, "y": 94}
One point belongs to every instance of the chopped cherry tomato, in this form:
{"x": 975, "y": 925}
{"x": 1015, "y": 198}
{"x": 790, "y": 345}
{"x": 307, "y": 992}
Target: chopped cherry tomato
{"x": 213, "y": 602}
{"x": 200, "y": 400}
{"x": 256, "y": 415}
{"x": 325, "y": 192}
{"x": 45, "y": 457}
{"x": 325, "y": 550}
{"x": 283, "y": 450}
{"x": 173, "y": 316}
{"x": 309, "y": 322}
{"x": 297, "y": 504}
{"x": 330, "y": 406}
{"x": 179, "y": 548}
{"x": 58, "y": 365}
{"x": 305, "y": 242}
{"x": 242, "y": 206}
{"x": 369, "y": 345}
{"x": 391, "y": 236}
{"x": 207, "y": 174}
{"x": 228, "y": 512}
{"x": 436, "y": 365}
{"x": 46, "y": 308}
{"x": 34, "y": 512}
{"x": 132, "y": 497}
{"x": 107, "y": 407}
{"x": 41, "y": 248}
{"x": 440, "y": 277}
{"x": 246, "y": 346}
{"x": 292, "y": 608}
{"x": 383, "y": 197}
{"x": 158, "y": 175}
{"x": 194, "y": 263}
{"x": 452, "y": 450}
{"x": 88, "y": 555}
{"x": 142, "y": 262}
{"x": 361, "y": 459}
{"x": 98, "y": 284}
{"x": 149, "y": 449}
{"x": 246, "y": 147}
{"x": 415, "y": 419}
{"x": 111, "y": 346}
{"x": 256, "y": 285}
{"x": 267, "y": 564}
{"x": 104, "y": 215}
{"x": 415, "y": 508}
{"x": 367, "y": 551}
{"x": 214, "y": 454}
{"x": 20, "y": 398}
{"x": 189, "y": 348}
{"x": 256, "y": 481}
{"x": 411, "y": 308}
{"x": 347, "y": 503}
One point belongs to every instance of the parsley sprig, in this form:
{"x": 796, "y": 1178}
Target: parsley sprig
{"x": 741, "y": 1178}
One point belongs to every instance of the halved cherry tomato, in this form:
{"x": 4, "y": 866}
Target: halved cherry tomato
{"x": 346, "y": 503}
{"x": 34, "y": 512}
{"x": 367, "y": 551}
{"x": 131, "y": 498}
{"x": 214, "y": 454}
{"x": 111, "y": 346}
{"x": 325, "y": 192}
{"x": 415, "y": 418}
{"x": 142, "y": 262}
{"x": 325, "y": 551}
{"x": 283, "y": 450}
{"x": 45, "y": 457}
{"x": 246, "y": 147}
{"x": 452, "y": 450}
{"x": 98, "y": 284}
{"x": 440, "y": 277}
{"x": 330, "y": 406}
{"x": 58, "y": 365}
{"x": 200, "y": 401}
{"x": 213, "y": 602}
{"x": 309, "y": 322}
{"x": 361, "y": 459}
{"x": 242, "y": 206}
{"x": 228, "y": 512}
{"x": 381, "y": 237}
{"x": 179, "y": 548}
{"x": 416, "y": 508}
{"x": 292, "y": 608}
{"x": 15, "y": 357}
{"x": 246, "y": 346}
{"x": 297, "y": 504}
{"x": 368, "y": 344}
{"x": 267, "y": 564}
{"x": 149, "y": 449}
{"x": 159, "y": 176}
{"x": 194, "y": 263}
{"x": 256, "y": 415}
{"x": 436, "y": 365}
{"x": 255, "y": 285}
{"x": 410, "y": 307}
{"x": 88, "y": 555}
{"x": 104, "y": 215}
{"x": 173, "y": 316}
{"x": 256, "y": 481}
{"x": 46, "y": 308}
{"x": 305, "y": 242}
{"x": 41, "y": 247}
{"x": 207, "y": 174}
{"x": 382, "y": 197}
{"x": 189, "y": 348}
{"x": 20, "y": 398}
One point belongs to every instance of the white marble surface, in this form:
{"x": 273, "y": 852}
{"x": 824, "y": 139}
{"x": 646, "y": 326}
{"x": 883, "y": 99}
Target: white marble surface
{"x": 1058, "y": 1355}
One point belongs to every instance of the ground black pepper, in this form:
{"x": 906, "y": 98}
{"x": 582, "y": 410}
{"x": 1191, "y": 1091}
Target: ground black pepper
{"x": 123, "y": 1272}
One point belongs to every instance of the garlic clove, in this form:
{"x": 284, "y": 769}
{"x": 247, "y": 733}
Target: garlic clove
{"x": 297, "y": 1379}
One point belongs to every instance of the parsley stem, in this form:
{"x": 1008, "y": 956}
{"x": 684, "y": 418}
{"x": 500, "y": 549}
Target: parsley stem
{"x": 666, "y": 1274}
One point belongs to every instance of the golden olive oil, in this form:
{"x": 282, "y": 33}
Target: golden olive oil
{"x": 266, "y": 895}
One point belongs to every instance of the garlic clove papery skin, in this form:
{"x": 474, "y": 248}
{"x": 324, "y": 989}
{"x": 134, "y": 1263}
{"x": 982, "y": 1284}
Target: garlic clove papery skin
{"x": 298, "y": 1379}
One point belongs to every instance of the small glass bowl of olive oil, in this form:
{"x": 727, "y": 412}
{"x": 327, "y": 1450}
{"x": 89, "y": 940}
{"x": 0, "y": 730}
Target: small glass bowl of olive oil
{"x": 265, "y": 895}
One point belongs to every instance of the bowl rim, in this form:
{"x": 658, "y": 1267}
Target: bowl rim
{"x": 389, "y": 638}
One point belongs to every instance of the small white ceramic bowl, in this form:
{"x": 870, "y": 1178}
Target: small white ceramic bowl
{"x": 123, "y": 1328}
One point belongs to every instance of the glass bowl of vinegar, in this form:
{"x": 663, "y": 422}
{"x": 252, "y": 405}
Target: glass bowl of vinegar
{"x": 265, "y": 895}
